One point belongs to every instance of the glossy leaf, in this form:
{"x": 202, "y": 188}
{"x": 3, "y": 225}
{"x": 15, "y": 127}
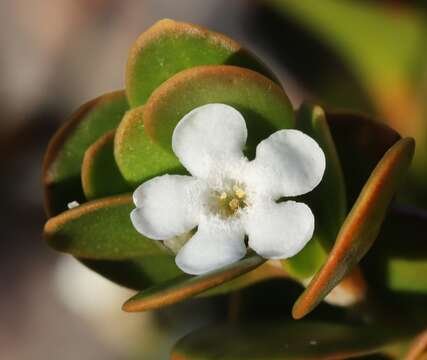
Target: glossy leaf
{"x": 64, "y": 156}
{"x": 271, "y": 269}
{"x": 304, "y": 265}
{"x": 169, "y": 47}
{"x": 138, "y": 156}
{"x": 136, "y": 273}
{"x": 264, "y": 105}
{"x": 187, "y": 286}
{"x": 100, "y": 229}
{"x": 361, "y": 226}
{"x": 278, "y": 340}
{"x": 100, "y": 175}
{"x": 327, "y": 200}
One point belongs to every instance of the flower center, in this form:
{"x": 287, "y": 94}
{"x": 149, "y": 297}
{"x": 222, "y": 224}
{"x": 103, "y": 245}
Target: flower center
{"x": 229, "y": 201}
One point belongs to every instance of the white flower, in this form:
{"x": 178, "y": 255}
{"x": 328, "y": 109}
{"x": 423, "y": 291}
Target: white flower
{"x": 229, "y": 196}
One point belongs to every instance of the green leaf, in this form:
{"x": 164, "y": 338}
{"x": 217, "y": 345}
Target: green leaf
{"x": 100, "y": 175}
{"x": 187, "y": 286}
{"x": 136, "y": 273}
{"x": 327, "y": 200}
{"x": 361, "y": 226}
{"x": 139, "y": 157}
{"x": 169, "y": 47}
{"x": 264, "y": 105}
{"x": 64, "y": 156}
{"x": 271, "y": 269}
{"x": 304, "y": 265}
{"x": 100, "y": 229}
{"x": 278, "y": 340}
{"x": 360, "y": 143}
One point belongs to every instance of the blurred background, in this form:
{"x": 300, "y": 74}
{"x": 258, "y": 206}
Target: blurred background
{"x": 367, "y": 56}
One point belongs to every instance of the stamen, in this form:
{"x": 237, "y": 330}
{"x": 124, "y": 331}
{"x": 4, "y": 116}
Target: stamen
{"x": 239, "y": 192}
{"x": 230, "y": 200}
{"x": 234, "y": 204}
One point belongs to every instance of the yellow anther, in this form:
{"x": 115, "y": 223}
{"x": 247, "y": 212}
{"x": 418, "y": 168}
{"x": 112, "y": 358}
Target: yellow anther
{"x": 223, "y": 195}
{"x": 234, "y": 204}
{"x": 239, "y": 192}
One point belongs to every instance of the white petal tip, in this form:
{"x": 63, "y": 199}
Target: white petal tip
{"x": 215, "y": 244}
{"x": 280, "y": 231}
{"x": 289, "y": 163}
{"x": 206, "y": 134}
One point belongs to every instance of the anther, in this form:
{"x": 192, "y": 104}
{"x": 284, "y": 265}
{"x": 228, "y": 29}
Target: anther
{"x": 234, "y": 204}
{"x": 239, "y": 192}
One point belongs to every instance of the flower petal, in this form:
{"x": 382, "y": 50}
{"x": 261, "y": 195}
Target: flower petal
{"x": 279, "y": 230}
{"x": 216, "y": 243}
{"x": 168, "y": 206}
{"x": 288, "y": 163}
{"x": 209, "y": 134}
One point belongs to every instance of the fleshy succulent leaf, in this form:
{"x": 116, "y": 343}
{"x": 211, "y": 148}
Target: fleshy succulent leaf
{"x": 303, "y": 265}
{"x": 136, "y": 273}
{"x": 264, "y": 105}
{"x": 100, "y": 229}
{"x": 269, "y": 270}
{"x": 361, "y": 226}
{"x": 278, "y": 340}
{"x": 187, "y": 286}
{"x": 138, "y": 156}
{"x": 100, "y": 175}
{"x": 328, "y": 200}
{"x": 64, "y": 156}
{"x": 169, "y": 47}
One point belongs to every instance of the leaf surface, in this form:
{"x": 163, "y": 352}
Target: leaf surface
{"x": 361, "y": 226}
{"x": 169, "y": 47}
{"x": 64, "y": 155}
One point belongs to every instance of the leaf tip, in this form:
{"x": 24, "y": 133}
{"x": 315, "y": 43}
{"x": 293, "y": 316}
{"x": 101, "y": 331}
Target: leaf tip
{"x": 410, "y": 144}
{"x": 299, "y": 310}
{"x": 129, "y": 306}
